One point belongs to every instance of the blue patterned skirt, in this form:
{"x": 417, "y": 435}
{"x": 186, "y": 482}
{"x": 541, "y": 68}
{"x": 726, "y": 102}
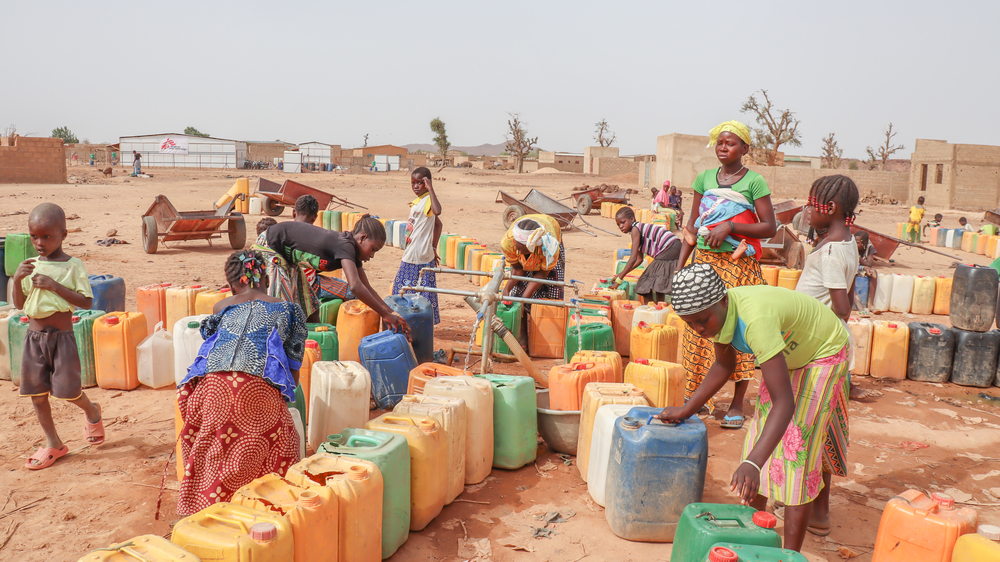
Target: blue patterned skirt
{"x": 409, "y": 275}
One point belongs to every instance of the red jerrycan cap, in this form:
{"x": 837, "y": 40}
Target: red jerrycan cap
{"x": 508, "y": 303}
{"x": 642, "y": 361}
{"x": 934, "y": 331}
{"x": 892, "y": 325}
{"x": 75, "y": 318}
{"x": 195, "y": 286}
{"x": 722, "y": 554}
{"x": 264, "y": 532}
{"x": 312, "y": 343}
{"x": 642, "y": 324}
{"x": 225, "y": 290}
{"x": 603, "y": 280}
{"x": 658, "y": 307}
{"x": 112, "y": 321}
{"x": 765, "y": 520}
{"x": 944, "y": 500}
{"x": 24, "y": 319}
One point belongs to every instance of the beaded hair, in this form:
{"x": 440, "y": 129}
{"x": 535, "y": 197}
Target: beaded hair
{"x": 837, "y": 189}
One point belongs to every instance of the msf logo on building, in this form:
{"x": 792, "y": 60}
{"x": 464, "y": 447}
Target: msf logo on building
{"x": 174, "y": 145}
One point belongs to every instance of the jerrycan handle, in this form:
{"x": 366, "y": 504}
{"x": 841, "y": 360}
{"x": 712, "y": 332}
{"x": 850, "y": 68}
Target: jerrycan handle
{"x": 367, "y": 441}
{"x": 720, "y": 521}
{"x": 582, "y": 366}
{"x": 656, "y": 421}
{"x": 400, "y": 419}
{"x": 243, "y": 527}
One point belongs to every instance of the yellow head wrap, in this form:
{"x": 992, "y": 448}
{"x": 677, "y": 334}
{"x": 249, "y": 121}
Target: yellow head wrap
{"x": 735, "y": 127}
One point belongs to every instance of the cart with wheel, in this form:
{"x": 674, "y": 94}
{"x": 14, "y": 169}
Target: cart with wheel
{"x": 538, "y": 203}
{"x": 163, "y": 221}
{"x": 277, "y": 196}
{"x": 585, "y": 201}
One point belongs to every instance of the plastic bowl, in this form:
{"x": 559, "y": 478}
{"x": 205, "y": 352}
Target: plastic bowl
{"x": 559, "y": 429}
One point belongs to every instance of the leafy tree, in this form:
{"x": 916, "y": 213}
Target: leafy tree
{"x": 878, "y": 157}
{"x": 775, "y": 127}
{"x": 441, "y": 140}
{"x": 65, "y": 134}
{"x": 518, "y": 142}
{"x": 832, "y": 152}
{"x": 195, "y": 132}
{"x": 604, "y": 135}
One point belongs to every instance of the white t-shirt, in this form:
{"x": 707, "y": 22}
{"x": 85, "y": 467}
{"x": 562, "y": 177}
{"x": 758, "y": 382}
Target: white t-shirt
{"x": 419, "y": 231}
{"x": 831, "y": 266}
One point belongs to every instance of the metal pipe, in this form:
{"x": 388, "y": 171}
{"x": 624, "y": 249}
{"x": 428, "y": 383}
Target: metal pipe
{"x": 419, "y": 289}
{"x": 541, "y": 280}
{"x": 547, "y": 302}
{"x": 459, "y": 271}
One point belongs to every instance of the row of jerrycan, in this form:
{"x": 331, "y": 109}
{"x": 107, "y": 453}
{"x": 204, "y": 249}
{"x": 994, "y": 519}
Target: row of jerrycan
{"x": 780, "y": 276}
{"x": 661, "y": 381}
{"x": 14, "y": 327}
{"x": 938, "y": 353}
{"x": 916, "y": 294}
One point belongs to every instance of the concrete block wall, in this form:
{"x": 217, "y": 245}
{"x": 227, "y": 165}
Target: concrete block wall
{"x": 976, "y": 187}
{"x": 794, "y": 183}
{"x": 614, "y": 166}
{"x": 32, "y": 160}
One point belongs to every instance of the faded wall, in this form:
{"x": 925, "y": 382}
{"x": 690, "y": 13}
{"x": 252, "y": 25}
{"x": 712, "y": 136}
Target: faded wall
{"x": 591, "y": 152}
{"x": 794, "y": 183}
{"x": 680, "y": 158}
{"x": 613, "y": 166}
{"x": 32, "y": 160}
{"x": 268, "y": 151}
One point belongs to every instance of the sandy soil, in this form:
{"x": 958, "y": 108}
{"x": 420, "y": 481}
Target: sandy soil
{"x": 105, "y": 494}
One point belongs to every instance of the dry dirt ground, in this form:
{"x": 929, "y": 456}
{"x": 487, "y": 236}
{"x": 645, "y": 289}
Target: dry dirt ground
{"x": 105, "y": 494}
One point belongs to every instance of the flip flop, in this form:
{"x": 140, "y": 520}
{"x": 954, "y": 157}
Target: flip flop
{"x": 732, "y": 422}
{"x": 91, "y": 430}
{"x": 45, "y": 457}
{"x": 814, "y": 529}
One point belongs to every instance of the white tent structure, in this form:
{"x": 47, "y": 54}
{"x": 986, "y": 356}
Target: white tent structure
{"x": 172, "y": 150}
{"x": 315, "y": 152}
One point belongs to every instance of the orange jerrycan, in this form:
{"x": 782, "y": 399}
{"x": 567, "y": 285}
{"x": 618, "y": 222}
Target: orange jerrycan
{"x": 204, "y": 302}
{"x": 890, "y": 347}
{"x": 942, "y": 295}
{"x": 147, "y": 548}
{"x": 676, "y": 322}
{"x": 923, "y": 295}
{"x": 450, "y": 414}
{"x": 547, "y": 331}
{"x": 312, "y": 512}
{"x": 180, "y": 302}
{"x": 478, "y": 396}
{"x": 662, "y": 381}
{"x": 595, "y": 395}
{"x": 770, "y": 273}
{"x": 915, "y": 528}
{"x": 355, "y": 321}
{"x": 654, "y": 341}
{"x": 428, "y": 458}
{"x": 358, "y": 486}
{"x": 608, "y": 357}
{"x": 566, "y": 383}
{"x": 233, "y": 533}
{"x": 789, "y": 278}
{"x": 151, "y": 300}
{"x": 116, "y": 336}
{"x": 427, "y": 371}
{"x": 621, "y": 321}
{"x": 309, "y": 358}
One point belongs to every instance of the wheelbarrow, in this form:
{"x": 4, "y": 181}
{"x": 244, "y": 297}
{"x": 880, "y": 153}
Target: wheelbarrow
{"x": 164, "y": 221}
{"x": 277, "y": 196}
{"x": 538, "y": 203}
{"x": 586, "y": 200}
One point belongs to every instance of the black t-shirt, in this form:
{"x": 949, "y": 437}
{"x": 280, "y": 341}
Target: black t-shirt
{"x": 322, "y": 249}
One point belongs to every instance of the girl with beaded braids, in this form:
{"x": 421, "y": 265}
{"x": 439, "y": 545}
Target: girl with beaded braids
{"x": 233, "y": 400}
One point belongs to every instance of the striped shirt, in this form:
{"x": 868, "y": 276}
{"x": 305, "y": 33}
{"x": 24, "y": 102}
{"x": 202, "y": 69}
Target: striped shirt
{"x": 653, "y": 238}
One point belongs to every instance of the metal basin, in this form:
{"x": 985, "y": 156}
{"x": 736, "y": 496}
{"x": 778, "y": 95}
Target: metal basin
{"x": 560, "y": 429}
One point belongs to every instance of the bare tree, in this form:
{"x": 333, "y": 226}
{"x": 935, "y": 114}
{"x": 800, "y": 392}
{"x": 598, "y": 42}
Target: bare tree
{"x": 366, "y": 141}
{"x": 878, "y": 157}
{"x": 441, "y": 140}
{"x": 519, "y": 144}
{"x": 9, "y": 131}
{"x": 832, "y": 152}
{"x": 772, "y": 131}
{"x": 604, "y": 135}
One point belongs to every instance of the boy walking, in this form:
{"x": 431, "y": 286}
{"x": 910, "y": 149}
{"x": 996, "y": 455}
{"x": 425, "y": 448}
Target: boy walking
{"x": 423, "y": 228}
{"x": 48, "y": 288}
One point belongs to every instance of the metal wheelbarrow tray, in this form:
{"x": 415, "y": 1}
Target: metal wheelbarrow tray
{"x": 163, "y": 221}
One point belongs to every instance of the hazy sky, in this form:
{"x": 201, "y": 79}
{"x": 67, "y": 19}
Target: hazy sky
{"x": 333, "y": 71}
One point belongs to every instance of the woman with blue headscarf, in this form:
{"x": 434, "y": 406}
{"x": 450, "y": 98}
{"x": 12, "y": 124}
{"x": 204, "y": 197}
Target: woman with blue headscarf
{"x": 533, "y": 248}
{"x": 730, "y": 213}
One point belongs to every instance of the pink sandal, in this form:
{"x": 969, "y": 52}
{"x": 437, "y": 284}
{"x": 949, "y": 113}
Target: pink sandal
{"x": 45, "y": 457}
{"x": 91, "y": 430}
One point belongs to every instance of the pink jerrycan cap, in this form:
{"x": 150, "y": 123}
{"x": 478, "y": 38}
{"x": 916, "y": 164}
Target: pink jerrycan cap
{"x": 944, "y": 500}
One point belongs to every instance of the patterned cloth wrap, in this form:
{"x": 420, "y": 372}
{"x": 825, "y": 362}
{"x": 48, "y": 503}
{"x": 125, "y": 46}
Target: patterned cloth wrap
{"x": 723, "y": 205}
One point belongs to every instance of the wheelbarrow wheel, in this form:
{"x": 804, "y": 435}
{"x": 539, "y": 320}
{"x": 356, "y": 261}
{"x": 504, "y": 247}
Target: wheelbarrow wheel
{"x": 511, "y": 214}
{"x": 796, "y": 256}
{"x": 150, "y": 237}
{"x": 584, "y": 204}
{"x": 272, "y": 208}
{"x": 237, "y": 231}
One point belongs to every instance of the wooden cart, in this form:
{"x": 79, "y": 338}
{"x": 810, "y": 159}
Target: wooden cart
{"x": 585, "y": 201}
{"x": 277, "y": 196}
{"x": 164, "y": 221}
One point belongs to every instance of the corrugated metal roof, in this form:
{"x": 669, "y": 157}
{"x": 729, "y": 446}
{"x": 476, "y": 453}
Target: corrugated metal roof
{"x": 176, "y": 135}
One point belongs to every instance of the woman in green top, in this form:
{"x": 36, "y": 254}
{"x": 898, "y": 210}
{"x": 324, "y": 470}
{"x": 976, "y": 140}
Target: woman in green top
{"x": 732, "y": 180}
{"x": 801, "y": 347}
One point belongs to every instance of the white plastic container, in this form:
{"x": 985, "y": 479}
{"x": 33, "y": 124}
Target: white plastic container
{"x": 902, "y": 293}
{"x": 861, "y": 330}
{"x": 297, "y": 422}
{"x": 339, "y": 396}
{"x": 187, "y": 342}
{"x": 478, "y": 396}
{"x": 155, "y": 358}
{"x": 5, "y": 313}
{"x": 883, "y": 293}
{"x": 600, "y": 448}
{"x": 651, "y": 314}
{"x": 450, "y": 413}
{"x": 256, "y": 206}
{"x": 949, "y": 240}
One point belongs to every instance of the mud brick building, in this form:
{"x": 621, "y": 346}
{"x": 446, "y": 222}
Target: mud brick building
{"x": 32, "y": 160}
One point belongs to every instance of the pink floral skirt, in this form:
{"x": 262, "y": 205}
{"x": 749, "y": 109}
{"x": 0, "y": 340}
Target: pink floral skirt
{"x": 794, "y": 472}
